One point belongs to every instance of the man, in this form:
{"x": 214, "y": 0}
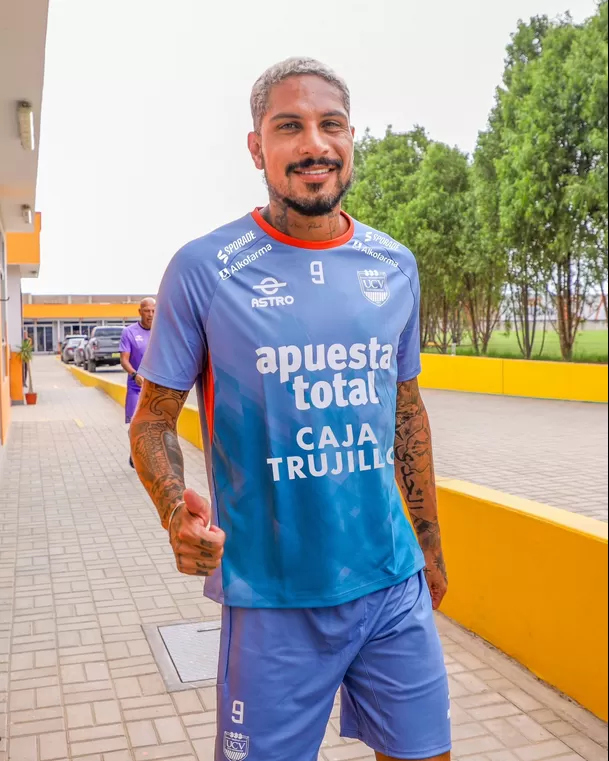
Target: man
{"x": 300, "y": 328}
{"x": 133, "y": 345}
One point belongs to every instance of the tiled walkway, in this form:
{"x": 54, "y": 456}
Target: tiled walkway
{"x": 84, "y": 564}
{"x": 553, "y": 452}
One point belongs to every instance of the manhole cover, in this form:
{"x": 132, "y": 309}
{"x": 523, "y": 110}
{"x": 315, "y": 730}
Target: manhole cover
{"x": 187, "y": 654}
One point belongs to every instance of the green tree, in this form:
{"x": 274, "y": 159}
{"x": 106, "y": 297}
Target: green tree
{"x": 587, "y": 74}
{"x": 384, "y": 170}
{"x": 485, "y": 272}
{"x": 526, "y": 282}
{"x": 547, "y": 198}
{"x": 432, "y": 223}
{"x": 417, "y": 192}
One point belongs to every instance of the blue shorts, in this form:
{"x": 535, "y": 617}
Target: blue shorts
{"x": 280, "y": 670}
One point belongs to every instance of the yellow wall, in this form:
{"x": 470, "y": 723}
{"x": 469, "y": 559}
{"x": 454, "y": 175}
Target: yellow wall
{"x": 24, "y": 248}
{"x": 529, "y": 578}
{"x": 513, "y": 377}
{"x": 532, "y": 580}
{"x": 483, "y": 376}
{"x": 5, "y": 410}
{"x": 16, "y": 377}
{"x": 80, "y": 311}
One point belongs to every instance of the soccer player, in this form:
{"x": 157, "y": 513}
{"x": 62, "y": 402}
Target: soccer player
{"x": 299, "y": 327}
{"x": 133, "y": 345}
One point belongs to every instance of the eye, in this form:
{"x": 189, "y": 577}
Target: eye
{"x": 332, "y": 125}
{"x": 289, "y": 126}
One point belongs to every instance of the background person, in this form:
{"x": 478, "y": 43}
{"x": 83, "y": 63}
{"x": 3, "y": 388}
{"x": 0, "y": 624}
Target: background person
{"x": 133, "y": 345}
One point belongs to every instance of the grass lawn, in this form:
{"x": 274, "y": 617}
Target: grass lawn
{"x": 591, "y": 346}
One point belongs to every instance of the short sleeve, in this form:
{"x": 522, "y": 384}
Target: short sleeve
{"x": 125, "y": 344}
{"x": 177, "y": 350}
{"x": 409, "y": 348}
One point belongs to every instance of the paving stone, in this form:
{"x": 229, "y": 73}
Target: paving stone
{"x": 538, "y": 467}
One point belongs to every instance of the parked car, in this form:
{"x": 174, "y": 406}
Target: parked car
{"x": 102, "y": 347}
{"x": 79, "y": 353}
{"x": 68, "y": 347}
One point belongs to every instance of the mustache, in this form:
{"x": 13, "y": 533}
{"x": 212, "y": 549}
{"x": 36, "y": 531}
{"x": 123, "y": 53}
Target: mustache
{"x": 308, "y": 163}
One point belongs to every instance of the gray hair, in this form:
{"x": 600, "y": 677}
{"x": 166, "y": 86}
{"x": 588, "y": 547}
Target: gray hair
{"x": 292, "y": 67}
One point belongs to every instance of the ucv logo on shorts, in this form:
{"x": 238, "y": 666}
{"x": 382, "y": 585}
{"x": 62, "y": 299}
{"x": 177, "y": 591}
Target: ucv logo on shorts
{"x": 236, "y": 746}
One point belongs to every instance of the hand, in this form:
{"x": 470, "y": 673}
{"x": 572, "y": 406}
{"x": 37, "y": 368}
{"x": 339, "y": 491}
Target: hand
{"x": 139, "y": 379}
{"x": 437, "y": 578}
{"x": 198, "y": 550}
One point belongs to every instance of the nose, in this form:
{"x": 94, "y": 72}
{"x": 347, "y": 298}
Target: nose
{"x": 314, "y": 142}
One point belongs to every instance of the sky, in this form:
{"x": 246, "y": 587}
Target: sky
{"x": 146, "y": 110}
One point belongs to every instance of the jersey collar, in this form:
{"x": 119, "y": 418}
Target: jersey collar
{"x": 297, "y": 242}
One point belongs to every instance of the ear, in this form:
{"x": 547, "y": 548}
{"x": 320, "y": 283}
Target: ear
{"x": 353, "y": 132}
{"x": 255, "y": 148}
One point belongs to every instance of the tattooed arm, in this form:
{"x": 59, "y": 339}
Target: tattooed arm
{"x": 159, "y": 463}
{"x": 414, "y": 470}
{"x": 155, "y": 447}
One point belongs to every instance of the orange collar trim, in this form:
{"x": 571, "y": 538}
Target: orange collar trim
{"x": 298, "y": 242}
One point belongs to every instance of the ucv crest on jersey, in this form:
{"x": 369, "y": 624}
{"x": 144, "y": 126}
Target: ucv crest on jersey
{"x": 374, "y": 286}
{"x": 236, "y": 746}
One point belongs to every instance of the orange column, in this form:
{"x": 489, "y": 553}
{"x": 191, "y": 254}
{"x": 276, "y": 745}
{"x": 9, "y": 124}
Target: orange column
{"x": 16, "y": 376}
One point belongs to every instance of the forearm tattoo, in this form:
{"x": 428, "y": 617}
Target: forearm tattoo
{"x": 414, "y": 470}
{"x": 155, "y": 446}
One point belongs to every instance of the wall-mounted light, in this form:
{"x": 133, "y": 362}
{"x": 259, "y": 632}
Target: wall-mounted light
{"x": 26, "y": 213}
{"x": 25, "y": 117}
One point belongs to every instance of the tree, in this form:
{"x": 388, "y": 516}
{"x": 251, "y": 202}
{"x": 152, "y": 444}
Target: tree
{"x": 526, "y": 282}
{"x": 587, "y": 74}
{"x": 417, "y": 192}
{"x": 384, "y": 170}
{"x": 485, "y": 256}
{"x": 523, "y": 228}
{"x": 433, "y": 223}
{"x": 548, "y": 204}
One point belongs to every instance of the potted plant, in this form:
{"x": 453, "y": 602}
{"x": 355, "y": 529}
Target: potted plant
{"x": 26, "y": 353}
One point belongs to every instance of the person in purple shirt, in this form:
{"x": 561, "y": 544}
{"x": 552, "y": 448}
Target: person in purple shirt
{"x": 134, "y": 342}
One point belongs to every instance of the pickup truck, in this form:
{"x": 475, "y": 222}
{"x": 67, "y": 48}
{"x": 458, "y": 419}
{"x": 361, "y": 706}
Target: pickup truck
{"x": 102, "y": 348}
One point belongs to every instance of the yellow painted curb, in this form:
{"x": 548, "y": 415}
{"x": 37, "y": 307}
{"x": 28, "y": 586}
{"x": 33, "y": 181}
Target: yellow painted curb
{"x": 569, "y": 381}
{"x": 531, "y": 579}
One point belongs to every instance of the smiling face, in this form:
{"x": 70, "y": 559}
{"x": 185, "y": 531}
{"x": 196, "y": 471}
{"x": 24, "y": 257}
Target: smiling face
{"x": 305, "y": 145}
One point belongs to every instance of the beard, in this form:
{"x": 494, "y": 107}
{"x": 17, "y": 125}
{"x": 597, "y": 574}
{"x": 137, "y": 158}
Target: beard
{"x": 316, "y": 205}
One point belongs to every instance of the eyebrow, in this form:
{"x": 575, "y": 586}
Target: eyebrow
{"x": 325, "y": 115}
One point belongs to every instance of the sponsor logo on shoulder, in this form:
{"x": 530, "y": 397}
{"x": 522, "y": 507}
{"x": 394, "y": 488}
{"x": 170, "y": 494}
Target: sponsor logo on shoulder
{"x": 236, "y": 245}
{"x": 359, "y": 246}
{"x": 374, "y": 286}
{"x": 269, "y": 287}
{"x": 383, "y": 240}
{"x": 227, "y": 272}
{"x": 236, "y": 746}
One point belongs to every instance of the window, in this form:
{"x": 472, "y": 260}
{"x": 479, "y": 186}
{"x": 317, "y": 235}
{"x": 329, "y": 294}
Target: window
{"x": 44, "y": 339}
{"x": 71, "y": 330}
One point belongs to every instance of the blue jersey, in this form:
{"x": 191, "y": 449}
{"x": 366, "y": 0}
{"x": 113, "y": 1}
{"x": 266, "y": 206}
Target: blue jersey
{"x": 296, "y": 348}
